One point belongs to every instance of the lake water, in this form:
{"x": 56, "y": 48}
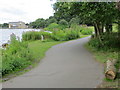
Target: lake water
{"x": 5, "y": 34}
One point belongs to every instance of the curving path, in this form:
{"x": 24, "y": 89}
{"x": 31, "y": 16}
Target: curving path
{"x": 66, "y": 65}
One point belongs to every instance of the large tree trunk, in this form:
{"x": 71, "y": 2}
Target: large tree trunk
{"x": 97, "y": 26}
{"x": 110, "y": 72}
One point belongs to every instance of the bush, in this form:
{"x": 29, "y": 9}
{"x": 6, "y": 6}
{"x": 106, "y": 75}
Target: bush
{"x": 59, "y": 35}
{"x": 66, "y": 34}
{"x": 63, "y": 24}
{"x": 16, "y": 56}
{"x": 74, "y": 21}
{"x": 110, "y": 42}
{"x": 52, "y": 27}
{"x": 85, "y": 30}
{"x": 72, "y": 34}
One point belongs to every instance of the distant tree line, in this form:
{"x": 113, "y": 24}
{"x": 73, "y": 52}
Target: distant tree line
{"x": 4, "y": 25}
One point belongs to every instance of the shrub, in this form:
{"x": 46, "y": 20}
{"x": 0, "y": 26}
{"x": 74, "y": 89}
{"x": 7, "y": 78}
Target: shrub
{"x": 59, "y": 35}
{"x": 66, "y": 34}
{"x": 72, "y": 34}
{"x": 110, "y": 42}
{"x": 63, "y": 24}
{"x": 85, "y": 30}
{"x": 16, "y": 56}
{"x": 74, "y": 21}
{"x": 52, "y": 27}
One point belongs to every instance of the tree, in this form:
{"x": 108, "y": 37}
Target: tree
{"x": 62, "y": 11}
{"x": 100, "y": 14}
{"x": 50, "y": 20}
{"x": 5, "y": 25}
{"x": 39, "y": 23}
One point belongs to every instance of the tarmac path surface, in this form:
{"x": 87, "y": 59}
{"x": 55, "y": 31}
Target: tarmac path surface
{"x": 66, "y": 65}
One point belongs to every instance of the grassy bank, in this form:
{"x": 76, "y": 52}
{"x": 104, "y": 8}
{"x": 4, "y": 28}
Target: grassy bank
{"x": 102, "y": 54}
{"x": 102, "y": 57}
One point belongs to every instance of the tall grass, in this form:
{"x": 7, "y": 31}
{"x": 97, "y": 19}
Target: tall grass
{"x": 33, "y": 35}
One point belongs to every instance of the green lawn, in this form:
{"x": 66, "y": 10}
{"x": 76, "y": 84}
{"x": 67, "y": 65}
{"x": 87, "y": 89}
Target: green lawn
{"x": 38, "y": 48}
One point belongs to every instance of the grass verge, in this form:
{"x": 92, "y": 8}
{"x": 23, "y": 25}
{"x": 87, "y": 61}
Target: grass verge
{"x": 102, "y": 57}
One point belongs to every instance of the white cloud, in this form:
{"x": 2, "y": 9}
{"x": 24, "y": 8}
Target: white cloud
{"x": 24, "y": 10}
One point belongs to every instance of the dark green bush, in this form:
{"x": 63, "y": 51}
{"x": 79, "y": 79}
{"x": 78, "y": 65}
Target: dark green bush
{"x": 110, "y": 42}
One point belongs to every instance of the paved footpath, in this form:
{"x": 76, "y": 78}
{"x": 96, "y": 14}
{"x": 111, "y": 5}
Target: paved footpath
{"x": 66, "y": 65}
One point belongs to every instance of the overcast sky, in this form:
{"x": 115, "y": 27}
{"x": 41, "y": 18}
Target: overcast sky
{"x": 24, "y": 10}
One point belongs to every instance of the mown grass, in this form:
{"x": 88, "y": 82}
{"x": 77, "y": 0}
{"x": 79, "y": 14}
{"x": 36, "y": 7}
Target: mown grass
{"x": 39, "y": 48}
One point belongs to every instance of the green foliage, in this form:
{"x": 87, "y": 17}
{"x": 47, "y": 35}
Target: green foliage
{"x": 52, "y": 27}
{"x": 86, "y": 32}
{"x": 62, "y": 11}
{"x": 4, "y": 25}
{"x": 59, "y": 35}
{"x": 33, "y": 35}
{"x": 15, "y": 57}
{"x": 74, "y": 21}
{"x": 72, "y": 34}
{"x": 66, "y": 34}
{"x": 99, "y": 14}
{"x": 50, "y": 20}
{"x": 39, "y": 23}
{"x": 63, "y": 23}
{"x": 110, "y": 42}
